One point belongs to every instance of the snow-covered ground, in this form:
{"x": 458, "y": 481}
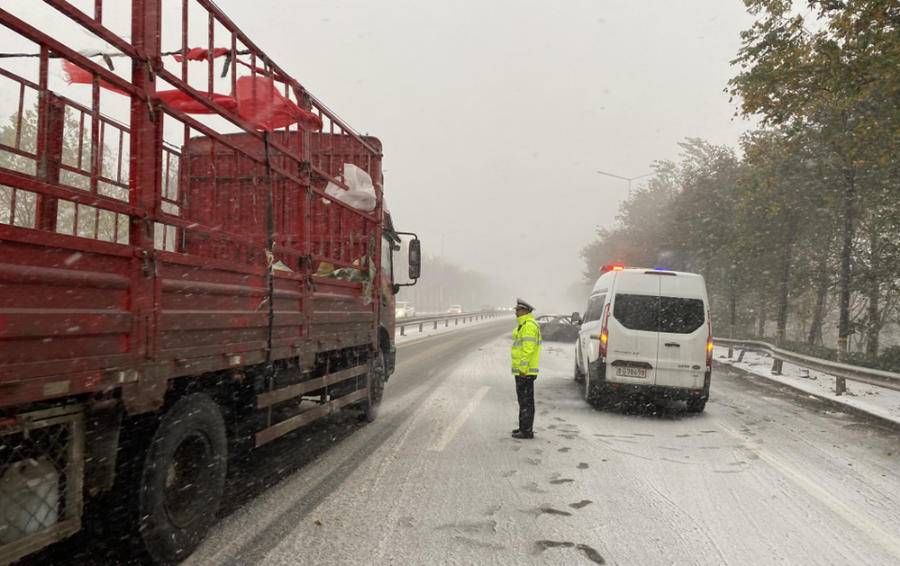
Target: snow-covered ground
{"x": 878, "y": 401}
{"x": 766, "y": 475}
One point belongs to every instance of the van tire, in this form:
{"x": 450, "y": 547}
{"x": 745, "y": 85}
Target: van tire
{"x": 696, "y": 405}
{"x": 190, "y": 445}
{"x": 591, "y": 392}
{"x": 579, "y": 375}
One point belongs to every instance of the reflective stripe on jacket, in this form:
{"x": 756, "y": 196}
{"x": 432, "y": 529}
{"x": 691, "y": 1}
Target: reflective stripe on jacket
{"x": 526, "y": 348}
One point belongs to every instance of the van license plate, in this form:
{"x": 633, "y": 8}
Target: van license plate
{"x": 626, "y": 371}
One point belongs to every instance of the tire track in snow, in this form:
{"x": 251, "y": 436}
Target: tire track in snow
{"x": 459, "y": 421}
{"x": 701, "y": 528}
{"x": 861, "y": 521}
{"x": 252, "y": 548}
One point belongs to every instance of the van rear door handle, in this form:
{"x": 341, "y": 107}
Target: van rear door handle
{"x": 673, "y": 345}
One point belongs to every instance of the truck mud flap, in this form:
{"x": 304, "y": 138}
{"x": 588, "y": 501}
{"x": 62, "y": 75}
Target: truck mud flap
{"x": 390, "y": 363}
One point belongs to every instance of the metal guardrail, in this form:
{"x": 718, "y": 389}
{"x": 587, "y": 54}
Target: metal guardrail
{"x": 842, "y": 372}
{"x": 434, "y": 320}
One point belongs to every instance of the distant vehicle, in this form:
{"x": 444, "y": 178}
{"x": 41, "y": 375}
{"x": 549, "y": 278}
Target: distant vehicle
{"x": 558, "y": 327}
{"x": 645, "y": 331}
{"x": 455, "y": 309}
{"x": 404, "y": 309}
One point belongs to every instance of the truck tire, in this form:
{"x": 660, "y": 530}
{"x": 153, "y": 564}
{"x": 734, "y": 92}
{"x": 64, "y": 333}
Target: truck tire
{"x": 183, "y": 478}
{"x": 375, "y": 387}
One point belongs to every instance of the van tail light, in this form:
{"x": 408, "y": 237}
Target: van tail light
{"x": 709, "y": 347}
{"x": 604, "y": 332}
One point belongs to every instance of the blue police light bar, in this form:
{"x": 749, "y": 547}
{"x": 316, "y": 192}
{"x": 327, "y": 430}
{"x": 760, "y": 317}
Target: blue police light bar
{"x": 662, "y": 269}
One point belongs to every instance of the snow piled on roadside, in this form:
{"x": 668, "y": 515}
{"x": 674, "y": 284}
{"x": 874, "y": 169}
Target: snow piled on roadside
{"x": 877, "y": 401}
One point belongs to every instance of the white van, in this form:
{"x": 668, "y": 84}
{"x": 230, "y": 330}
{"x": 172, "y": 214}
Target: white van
{"x": 645, "y": 331}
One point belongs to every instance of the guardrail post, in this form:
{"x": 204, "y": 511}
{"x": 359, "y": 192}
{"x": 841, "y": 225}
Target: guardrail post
{"x": 435, "y": 325}
{"x": 447, "y": 323}
{"x": 421, "y": 324}
{"x": 776, "y": 366}
{"x": 840, "y": 386}
{"x": 402, "y": 330}
{"x": 730, "y": 351}
{"x": 740, "y": 357}
{"x": 455, "y": 322}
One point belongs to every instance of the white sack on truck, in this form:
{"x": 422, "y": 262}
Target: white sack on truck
{"x": 361, "y": 195}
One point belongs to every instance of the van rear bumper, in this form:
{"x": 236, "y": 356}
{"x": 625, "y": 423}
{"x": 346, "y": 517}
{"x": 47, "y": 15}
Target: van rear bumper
{"x": 652, "y": 391}
{"x": 597, "y": 371}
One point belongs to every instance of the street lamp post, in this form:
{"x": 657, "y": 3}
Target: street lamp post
{"x": 628, "y": 179}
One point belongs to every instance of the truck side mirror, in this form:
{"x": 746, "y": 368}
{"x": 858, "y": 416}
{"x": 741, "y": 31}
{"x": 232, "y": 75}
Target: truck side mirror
{"x": 415, "y": 259}
{"x": 576, "y": 319}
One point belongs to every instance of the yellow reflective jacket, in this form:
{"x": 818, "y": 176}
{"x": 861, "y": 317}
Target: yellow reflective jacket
{"x": 526, "y": 348}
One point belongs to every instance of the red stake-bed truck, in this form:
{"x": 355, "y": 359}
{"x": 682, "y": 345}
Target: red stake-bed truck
{"x": 177, "y": 283}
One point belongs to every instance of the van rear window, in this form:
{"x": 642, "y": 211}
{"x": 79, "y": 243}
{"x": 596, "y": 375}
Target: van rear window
{"x": 659, "y": 314}
{"x": 680, "y": 316}
{"x": 637, "y": 312}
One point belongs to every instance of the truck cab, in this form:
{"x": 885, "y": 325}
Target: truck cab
{"x": 391, "y": 309}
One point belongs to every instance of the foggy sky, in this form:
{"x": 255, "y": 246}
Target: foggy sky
{"x": 496, "y": 115}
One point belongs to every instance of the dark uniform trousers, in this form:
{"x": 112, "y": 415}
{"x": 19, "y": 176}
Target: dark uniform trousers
{"x": 525, "y": 393}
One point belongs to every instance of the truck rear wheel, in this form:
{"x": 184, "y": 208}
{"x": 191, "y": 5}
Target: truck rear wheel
{"x": 183, "y": 478}
{"x": 375, "y": 387}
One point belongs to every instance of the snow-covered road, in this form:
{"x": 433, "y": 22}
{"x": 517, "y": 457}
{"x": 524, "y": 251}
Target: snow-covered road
{"x": 765, "y": 476}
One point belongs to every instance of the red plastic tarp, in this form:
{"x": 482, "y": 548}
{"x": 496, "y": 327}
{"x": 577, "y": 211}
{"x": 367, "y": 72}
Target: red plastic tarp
{"x": 260, "y": 103}
{"x": 256, "y": 100}
{"x": 77, "y": 75}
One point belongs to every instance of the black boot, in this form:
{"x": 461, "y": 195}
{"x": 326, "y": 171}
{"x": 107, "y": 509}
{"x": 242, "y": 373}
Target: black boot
{"x": 521, "y": 434}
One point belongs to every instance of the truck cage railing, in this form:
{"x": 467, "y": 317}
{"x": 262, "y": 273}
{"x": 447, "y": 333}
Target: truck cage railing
{"x": 842, "y": 372}
{"x": 163, "y": 212}
{"x": 133, "y": 207}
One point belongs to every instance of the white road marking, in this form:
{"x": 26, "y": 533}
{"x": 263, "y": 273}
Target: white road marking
{"x": 861, "y": 521}
{"x": 460, "y": 420}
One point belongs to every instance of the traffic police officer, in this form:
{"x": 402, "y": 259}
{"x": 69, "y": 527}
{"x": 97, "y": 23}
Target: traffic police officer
{"x": 526, "y": 353}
